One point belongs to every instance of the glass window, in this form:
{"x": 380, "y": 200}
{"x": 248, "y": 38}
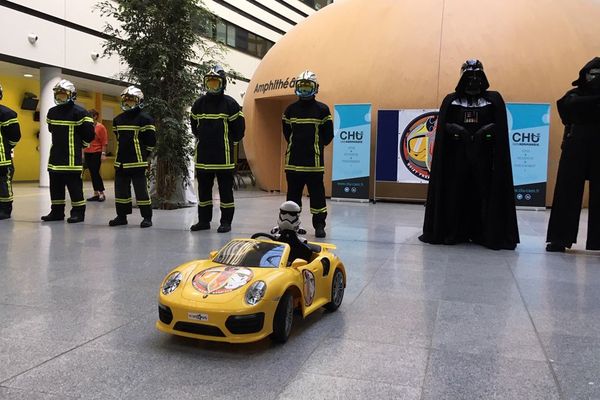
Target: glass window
{"x": 230, "y": 35}
{"x": 251, "y": 253}
{"x": 221, "y": 32}
{"x": 241, "y": 39}
{"x": 252, "y": 44}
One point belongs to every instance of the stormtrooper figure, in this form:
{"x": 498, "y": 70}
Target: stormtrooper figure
{"x": 287, "y": 230}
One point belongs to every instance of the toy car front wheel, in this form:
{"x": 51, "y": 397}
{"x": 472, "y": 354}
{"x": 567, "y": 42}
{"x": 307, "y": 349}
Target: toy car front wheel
{"x": 337, "y": 291}
{"x": 283, "y": 319}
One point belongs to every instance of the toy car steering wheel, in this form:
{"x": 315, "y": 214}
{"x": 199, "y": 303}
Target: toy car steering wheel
{"x": 262, "y": 234}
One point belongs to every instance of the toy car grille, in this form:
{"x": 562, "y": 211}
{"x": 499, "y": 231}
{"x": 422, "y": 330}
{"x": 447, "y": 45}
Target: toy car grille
{"x": 164, "y": 314}
{"x": 239, "y": 324}
{"x": 198, "y": 329}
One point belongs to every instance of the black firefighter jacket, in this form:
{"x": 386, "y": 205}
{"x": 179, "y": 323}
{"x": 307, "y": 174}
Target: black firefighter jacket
{"x": 136, "y": 138}
{"x": 10, "y": 134}
{"x": 308, "y": 128}
{"x": 218, "y": 123}
{"x": 72, "y": 130}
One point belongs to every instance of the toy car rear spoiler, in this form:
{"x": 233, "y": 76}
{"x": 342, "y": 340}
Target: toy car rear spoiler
{"x": 325, "y": 246}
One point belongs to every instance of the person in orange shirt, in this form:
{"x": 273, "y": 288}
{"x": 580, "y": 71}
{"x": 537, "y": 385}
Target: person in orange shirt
{"x": 94, "y": 155}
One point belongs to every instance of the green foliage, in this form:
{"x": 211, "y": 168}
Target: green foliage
{"x": 160, "y": 43}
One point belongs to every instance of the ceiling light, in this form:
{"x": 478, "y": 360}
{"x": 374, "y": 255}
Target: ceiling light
{"x": 28, "y": 75}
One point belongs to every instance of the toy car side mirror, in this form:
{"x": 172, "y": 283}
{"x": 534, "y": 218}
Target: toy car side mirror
{"x": 212, "y": 254}
{"x": 299, "y": 262}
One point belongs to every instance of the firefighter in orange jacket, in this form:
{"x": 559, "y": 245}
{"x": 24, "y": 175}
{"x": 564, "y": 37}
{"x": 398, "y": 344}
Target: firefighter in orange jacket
{"x": 10, "y": 134}
{"x": 72, "y": 129}
{"x": 218, "y": 123}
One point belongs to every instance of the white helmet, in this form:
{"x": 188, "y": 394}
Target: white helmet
{"x": 131, "y": 98}
{"x": 64, "y": 92}
{"x": 306, "y": 84}
{"x": 289, "y": 217}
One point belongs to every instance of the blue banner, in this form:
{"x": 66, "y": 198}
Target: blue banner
{"x": 529, "y": 136}
{"x": 351, "y": 151}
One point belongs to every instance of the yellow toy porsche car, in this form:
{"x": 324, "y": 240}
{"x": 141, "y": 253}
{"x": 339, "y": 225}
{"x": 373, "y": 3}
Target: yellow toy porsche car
{"x": 248, "y": 290}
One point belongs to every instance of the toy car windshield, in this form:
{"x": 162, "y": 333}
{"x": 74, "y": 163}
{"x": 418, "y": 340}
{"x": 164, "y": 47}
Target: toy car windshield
{"x": 250, "y": 253}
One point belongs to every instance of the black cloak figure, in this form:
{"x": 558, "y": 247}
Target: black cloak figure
{"x": 471, "y": 195}
{"x": 579, "y": 110}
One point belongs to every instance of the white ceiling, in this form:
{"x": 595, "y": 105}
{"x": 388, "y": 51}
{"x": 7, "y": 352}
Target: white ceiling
{"x": 81, "y": 83}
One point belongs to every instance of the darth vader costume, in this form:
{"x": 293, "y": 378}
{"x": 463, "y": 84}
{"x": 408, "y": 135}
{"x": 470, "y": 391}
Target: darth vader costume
{"x": 471, "y": 195}
{"x": 579, "y": 111}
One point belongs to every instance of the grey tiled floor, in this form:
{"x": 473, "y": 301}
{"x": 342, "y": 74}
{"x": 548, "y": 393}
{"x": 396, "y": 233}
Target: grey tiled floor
{"x": 78, "y": 305}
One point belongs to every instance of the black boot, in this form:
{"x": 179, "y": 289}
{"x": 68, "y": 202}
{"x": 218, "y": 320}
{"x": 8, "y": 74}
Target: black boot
{"x": 76, "y": 216}
{"x": 200, "y": 226}
{"x": 320, "y": 232}
{"x": 119, "y": 220}
{"x": 146, "y": 223}
{"x": 224, "y": 227}
{"x": 555, "y": 247}
{"x": 53, "y": 216}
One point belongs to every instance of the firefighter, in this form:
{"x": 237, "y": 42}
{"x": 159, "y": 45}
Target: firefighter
{"x": 10, "y": 134}
{"x": 218, "y": 123}
{"x": 136, "y": 137}
{"x": 307, "y": 128}
{"x": 72, "y": 130}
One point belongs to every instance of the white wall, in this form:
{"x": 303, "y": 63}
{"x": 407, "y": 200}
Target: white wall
{"x": 71, "y": 49}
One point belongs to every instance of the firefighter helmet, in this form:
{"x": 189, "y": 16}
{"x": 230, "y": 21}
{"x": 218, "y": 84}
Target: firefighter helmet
{"x": 306, "y": 84}
{"x": 131, "y": 98}
{"x": 64, "y": 92}
{"x": 215, "y": 80}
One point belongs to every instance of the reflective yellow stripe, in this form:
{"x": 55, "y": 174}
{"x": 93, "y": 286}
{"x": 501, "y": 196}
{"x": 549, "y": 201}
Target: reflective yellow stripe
{"x": 144, "y": 202}
{"x": 318, "y": 210}
{"x": 236, "y": 115}
{"x": 78, "y": 203}
{"x": 289, "y": 150}
{"x": 123, "y": 201}
{"x": 6, "y": 199}
{"x": 210, "y": 116}
{"x": 307, "y": 120}
{"x": 127, "y": 128}
{"x": 5, "y": 163}
{"x": 2, "y": 150}
{"x": 58, "y": 202}
{"x": 226, "y": 140}
{"x": 317, "y": 152}
{"x": 136, "y": 145}
{"x": 53, "y": 167}
{"x": 9, "y": 122}
{"x": 71, "y": 146}
{"x": 214, "y": 166}
{"x": 147, "y": 128}
{"x": 135, "y": 165}
{"x": 13, "y": 144}
{"x": 205, "y": 203}
{"x": 227, "y": 205}
{"x": 299, "y": 168}
{"x": 69, "y": 123}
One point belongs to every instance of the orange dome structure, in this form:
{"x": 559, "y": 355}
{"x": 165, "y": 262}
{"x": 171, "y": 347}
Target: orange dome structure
{"x": 407, "y": 54}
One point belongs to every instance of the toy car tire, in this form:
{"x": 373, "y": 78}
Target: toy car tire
{"x": 283, "y": 319}
{"x": 337, "y": 291}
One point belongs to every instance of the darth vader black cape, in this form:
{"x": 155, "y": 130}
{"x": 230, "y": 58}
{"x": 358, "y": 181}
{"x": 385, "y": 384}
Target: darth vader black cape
{"x": 471, "y": 201}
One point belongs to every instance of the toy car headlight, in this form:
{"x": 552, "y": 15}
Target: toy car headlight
{"x": 256, "y": 292}
{"x": 171, "y": 283}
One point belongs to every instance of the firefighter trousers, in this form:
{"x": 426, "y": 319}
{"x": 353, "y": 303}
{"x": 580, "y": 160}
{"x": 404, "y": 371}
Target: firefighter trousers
{"x": 124, "y": 178}
{"x": 73, "y": 182}
{"x": 205, "y": 185}
{"x": 316, "y": 190}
